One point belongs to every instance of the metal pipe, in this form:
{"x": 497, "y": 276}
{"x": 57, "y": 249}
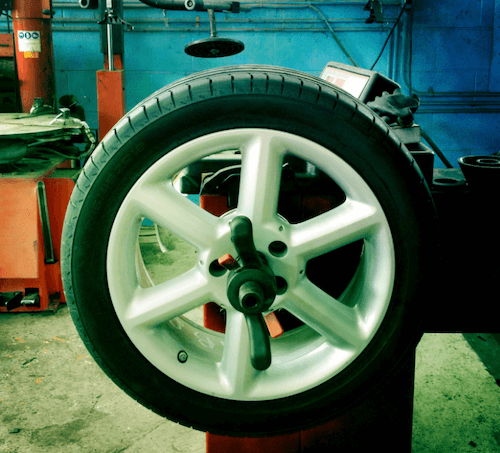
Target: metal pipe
{"x": 109, "y": 32}
{"x": 278, "y": 5}
{"x": 207, "y": 29}
{"x": 307, "y": 4}
{"x": 213, "y": 27}
{"x": 60, "y": 25}
{"x": 236, "y": 20}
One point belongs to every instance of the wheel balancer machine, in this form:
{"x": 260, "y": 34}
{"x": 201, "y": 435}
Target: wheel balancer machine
{"x": 462, "y": 202}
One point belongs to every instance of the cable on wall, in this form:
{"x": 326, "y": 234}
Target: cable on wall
{"x": 8, "y": 17}
{"x": 337, "y": 40}
{"x": 390, "y": 34}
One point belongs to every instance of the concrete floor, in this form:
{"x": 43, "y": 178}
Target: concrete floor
{"x": 54, "y": 398}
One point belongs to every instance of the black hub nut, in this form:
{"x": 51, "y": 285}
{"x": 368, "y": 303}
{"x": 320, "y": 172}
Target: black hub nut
{"x": 251, "y": 295}
{"x": 251, "y": 288}
{"x": 251, "y": 291}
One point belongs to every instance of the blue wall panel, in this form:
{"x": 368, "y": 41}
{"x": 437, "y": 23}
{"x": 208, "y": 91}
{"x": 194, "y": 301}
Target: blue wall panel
{"x": 452, "y": 70}
{"x": 291, "y": 35}
{"x": 447, "y": 52}
{"x": 495, "y": 55}
{"x": 454, "y": 14}
{"x": 474, "y": 133}
{"x": 463, "y": 48}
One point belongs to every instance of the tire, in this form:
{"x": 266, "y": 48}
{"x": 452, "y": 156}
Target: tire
{"x": 343, "y": 346}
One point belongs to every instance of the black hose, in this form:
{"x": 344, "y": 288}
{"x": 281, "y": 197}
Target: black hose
{"x": 197, "y": 5}
{"x": 388, "y": 36}
{"x": 435, "y": 148}
{"x": 165, "y": 4}
{"x": 334, "y": 35}
{"x": 89, "y": 4}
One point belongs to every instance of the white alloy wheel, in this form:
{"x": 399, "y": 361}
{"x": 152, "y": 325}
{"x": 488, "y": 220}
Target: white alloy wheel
{"x": 335, "y": 331}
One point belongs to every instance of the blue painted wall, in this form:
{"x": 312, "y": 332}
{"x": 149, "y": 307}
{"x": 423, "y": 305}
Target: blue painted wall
{"x": 446, "y": 51}
{"x": 455, "y": 69}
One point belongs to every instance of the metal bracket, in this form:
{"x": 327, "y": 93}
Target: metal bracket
{"x": 112, "y": 34}
{"x": 375, "y": 9}
{"x": 6, "y": 5}
{"x": 11, "y": 300}
{"x": 44, "y": 216}
{"x": 31, "y": 298}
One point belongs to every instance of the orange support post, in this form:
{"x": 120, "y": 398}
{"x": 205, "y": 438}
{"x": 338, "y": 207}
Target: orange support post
{"x": 382, "y": 419}
{"x": 110, "y": 99}
{"x": 282, "y": 444}
{"x": 31, "y": 21}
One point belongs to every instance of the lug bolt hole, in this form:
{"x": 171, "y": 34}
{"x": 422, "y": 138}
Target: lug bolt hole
{"x": 281, "y": 285}
{"x": 215, "y": 269}
{"x": 278, "y": 249}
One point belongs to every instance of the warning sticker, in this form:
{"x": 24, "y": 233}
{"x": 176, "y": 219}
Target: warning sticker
{"x": 29, "y": 41}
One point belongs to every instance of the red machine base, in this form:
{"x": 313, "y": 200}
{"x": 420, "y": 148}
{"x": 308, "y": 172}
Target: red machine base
{"x": 28, "y": 282}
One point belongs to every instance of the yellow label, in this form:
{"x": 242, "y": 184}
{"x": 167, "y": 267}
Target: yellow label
{"x": 31, "y": 54}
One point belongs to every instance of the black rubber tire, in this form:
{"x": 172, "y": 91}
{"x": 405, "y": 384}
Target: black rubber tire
{"x": 226, "y": 98}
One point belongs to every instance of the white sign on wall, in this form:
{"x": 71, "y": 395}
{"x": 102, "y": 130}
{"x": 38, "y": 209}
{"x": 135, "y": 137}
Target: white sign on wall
{"x": 29, "y": 41}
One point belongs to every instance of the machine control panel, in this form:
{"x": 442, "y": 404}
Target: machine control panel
{"x": 361, "y": 83}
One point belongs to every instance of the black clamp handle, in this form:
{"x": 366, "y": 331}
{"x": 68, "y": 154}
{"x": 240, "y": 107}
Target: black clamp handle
{"x": 251, "y": 289}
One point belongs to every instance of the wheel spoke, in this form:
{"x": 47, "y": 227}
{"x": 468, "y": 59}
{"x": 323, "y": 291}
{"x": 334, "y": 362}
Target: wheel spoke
{"x": 262, "y": 158}
{"x": 165, "y": 206}
{"x": 339, "y": 324}
{"x": 236, "y": 370}
{"x": 341, "y": 226}
{"x": 150, "y": 307}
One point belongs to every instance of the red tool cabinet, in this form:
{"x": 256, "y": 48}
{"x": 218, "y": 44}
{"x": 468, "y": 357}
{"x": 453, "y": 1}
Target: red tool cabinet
{"x": 25, "y": 272}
